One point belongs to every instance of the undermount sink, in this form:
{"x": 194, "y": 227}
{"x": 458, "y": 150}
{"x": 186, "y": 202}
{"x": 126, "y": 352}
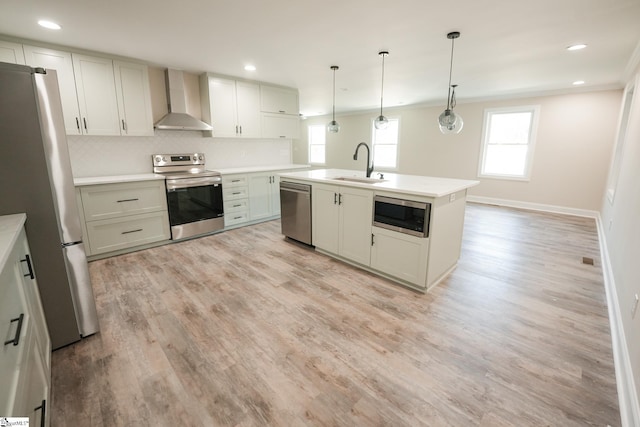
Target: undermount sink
{"x": 362, "y": 180}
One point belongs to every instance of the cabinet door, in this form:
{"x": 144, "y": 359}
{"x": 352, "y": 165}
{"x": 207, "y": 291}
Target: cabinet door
{"x": 11, "y": 53}
{"x": 14, "y": 318}
{"x": 280, "y": 126}
{"x": 34, "y": 393}
{"x": 222, "y": 107}
{"x": 62, "y": 63}
{"x": 260, "y": 196}
{"x": 248, "y": 103}
{"x": 134, "y": 99}
{"x": 326, "y": 217}
{"x": 96, "y": 89}
{"x": 400, "y": 255}
{"x": 275, "y": 194}
{"x": 32, "y": 297}
{"x": 355, "y": 224}
{"x": 278, "y": 100}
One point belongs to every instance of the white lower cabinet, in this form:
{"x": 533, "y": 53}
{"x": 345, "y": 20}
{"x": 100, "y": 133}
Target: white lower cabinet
{"x": 264, "y": 195}
{"x": 235, "y": 196}
{"x": 342, "y": 221}
{"x": 400, "y": 255}
{"x": 124, "y": 215}
{"x": 25, "y": 361}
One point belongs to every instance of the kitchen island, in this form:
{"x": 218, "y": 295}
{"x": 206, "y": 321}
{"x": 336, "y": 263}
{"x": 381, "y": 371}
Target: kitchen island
{"x": 374, "y": 222}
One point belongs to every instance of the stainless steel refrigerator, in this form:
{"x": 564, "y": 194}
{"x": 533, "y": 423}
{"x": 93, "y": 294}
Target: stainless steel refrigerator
{"x": 36, "y": 178}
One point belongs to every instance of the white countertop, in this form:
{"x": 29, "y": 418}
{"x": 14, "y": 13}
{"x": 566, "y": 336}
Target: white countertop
{"x": 115, "y": 179}
{"x": 428, "y": 186}
{"x": 249, "y": 169}
{"x": 10, "y": 227}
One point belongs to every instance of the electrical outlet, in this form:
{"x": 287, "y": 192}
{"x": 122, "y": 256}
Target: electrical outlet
{"x": 635, "y": 306}
{"x": 452, "y": 197}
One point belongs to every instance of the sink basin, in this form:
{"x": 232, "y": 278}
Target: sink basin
{"x": 361, "y": 180}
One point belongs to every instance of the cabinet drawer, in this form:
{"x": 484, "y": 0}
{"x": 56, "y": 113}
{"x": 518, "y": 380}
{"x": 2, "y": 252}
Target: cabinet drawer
{"x": 234, "y": 193}
{"x": 236, "y": 206}
{"x": 235, "y": 218}
{"x": 105, "y": 201}
{"x": 234, "y": 181}
{"x": 121, "y": 233}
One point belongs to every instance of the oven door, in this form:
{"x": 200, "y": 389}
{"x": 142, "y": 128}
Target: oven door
{"x": 195, "y": 206}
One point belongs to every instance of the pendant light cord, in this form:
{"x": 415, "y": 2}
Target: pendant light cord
{"x": 382, "y": 86}
{"x": 334, "y": 93}
{"x": 449, "y": 97}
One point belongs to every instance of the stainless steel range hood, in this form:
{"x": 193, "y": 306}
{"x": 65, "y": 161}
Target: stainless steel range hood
{"x": 178, "y": 119}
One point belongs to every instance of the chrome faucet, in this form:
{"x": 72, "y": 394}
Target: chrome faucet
{"x": 355, "y": 157}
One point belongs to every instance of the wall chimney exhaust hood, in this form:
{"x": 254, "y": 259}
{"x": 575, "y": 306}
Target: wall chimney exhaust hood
{"x": 177, "y": 118}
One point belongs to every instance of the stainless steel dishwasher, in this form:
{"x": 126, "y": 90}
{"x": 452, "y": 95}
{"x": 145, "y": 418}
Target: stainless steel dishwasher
{"x": 295, "y": 207}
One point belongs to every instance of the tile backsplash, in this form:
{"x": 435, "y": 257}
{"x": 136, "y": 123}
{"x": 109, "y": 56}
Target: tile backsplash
{"x": 122, "y": 155}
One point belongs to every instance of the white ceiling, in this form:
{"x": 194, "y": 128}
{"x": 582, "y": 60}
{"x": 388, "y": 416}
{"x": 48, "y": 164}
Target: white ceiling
{"x": 506, "y": 47}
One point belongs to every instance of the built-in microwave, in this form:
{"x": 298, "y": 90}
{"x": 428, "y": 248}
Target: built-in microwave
{"x": 403, "y": 216}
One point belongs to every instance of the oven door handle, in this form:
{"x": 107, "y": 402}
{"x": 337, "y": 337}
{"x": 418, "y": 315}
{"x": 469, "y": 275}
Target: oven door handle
{"x": 174, "y": 184}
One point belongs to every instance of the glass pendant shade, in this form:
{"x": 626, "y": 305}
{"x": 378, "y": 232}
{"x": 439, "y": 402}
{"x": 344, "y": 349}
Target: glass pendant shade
{"x": 381, "y": 122}
{"x": 450, "y": 122}
{"x": 333, "y": 126}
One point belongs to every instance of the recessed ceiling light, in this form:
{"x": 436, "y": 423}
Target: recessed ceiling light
{"x": 48, "y": 24}
{"x": 576, "y": 47}
{"x": 249, "y": 67}
{"x": 578, "y": 82}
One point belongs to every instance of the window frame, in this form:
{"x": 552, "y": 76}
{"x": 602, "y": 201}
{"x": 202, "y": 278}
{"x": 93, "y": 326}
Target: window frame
{"x": 533, "y": 131}
{"x": 397, "y": 144}
{"x": 324, "y": 133}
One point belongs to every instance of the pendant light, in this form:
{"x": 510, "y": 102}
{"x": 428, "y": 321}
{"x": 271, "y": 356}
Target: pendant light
{"x": 333, "y": 126}
{"x": 449, "y": 121}
{"x": 381, "y": 121}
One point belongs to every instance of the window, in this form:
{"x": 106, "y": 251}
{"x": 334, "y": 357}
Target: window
{"x": 385, "y": 145}
{"x": 508, "y": 142}
{"x": 317, "y": 144}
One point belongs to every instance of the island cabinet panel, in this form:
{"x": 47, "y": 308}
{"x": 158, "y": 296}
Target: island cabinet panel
{"x": 400, "y": 255}
{"x": 342, "y": 221}
{"x": 447, "y": 224}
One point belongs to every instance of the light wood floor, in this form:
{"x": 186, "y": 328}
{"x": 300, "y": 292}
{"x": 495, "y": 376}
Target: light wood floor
{"x": 245, "y": 328}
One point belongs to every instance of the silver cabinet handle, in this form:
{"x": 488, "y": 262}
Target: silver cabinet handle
{"x": 78, "y": 124}
{"x": 127, "y": 200}
{"x": 84, "y": 120}
{"x": 124, "y": 126}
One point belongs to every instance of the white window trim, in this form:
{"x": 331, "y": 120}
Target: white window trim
{"x": 372, "y": 127}
{"x": 532, "y": 141}
{"x": 309, "y": 146}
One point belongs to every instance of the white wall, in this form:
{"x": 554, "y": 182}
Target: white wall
{"x": 621, "y": 227}
{"x": 573, "y": 148}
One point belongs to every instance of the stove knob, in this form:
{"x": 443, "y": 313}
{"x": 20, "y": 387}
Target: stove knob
{"x": 158, "y": 159}
{"x": 200, "y": 157}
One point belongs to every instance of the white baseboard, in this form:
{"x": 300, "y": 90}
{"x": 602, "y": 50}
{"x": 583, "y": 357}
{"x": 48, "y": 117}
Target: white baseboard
{"x": 533, "y": 206}
{"x": 627, "y": 395}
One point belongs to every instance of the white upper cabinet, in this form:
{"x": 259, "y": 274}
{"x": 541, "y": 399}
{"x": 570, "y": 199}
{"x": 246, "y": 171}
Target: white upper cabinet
{"x": 99, "y": 96}
{"x": 231, "y": 107}
{"x": 134, "y": 99}
{"x": 280, "y": 126}
{"x": 278, "y": 100}
{"x": 96, "y": 89}
{"x": 62, "y": 63}
{"x": 11, "y": 53}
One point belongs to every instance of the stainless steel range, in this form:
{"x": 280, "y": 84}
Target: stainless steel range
{"x": 194, "y": 194}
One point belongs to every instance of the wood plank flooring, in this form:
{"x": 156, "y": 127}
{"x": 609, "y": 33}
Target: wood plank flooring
{"x": 245, "y": 328}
